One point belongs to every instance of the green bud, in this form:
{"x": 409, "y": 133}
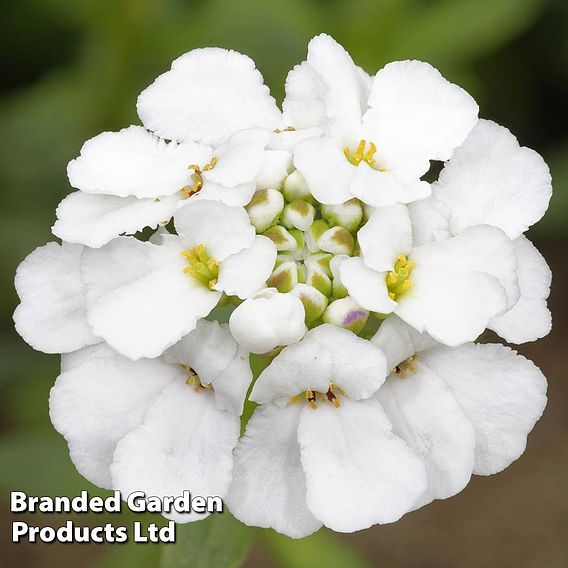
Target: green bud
{"x": 298, "y": 215}
{"x": 320, "y": 260}
{"x": 284, "y": 278}
{"x": 264, "y": 208}
{"x": 338, "y": 290}
{"x": 283, "y": 240}
{"x": 348, "y": 215}
{"x": 346, "y": 313}
{"x": 313, "y": 234}
{"x": 314, "y": 301}
{"x": 317, "y": 278}
{"x": 337, "y": 240}
{"x": 295, "y": 187}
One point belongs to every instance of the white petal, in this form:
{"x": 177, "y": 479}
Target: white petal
{"x": 139, "y": 299}
{"x": 134, "y": 162}
{"x": 398, "y": 341}
{"x": 493, "y": 180}
{"x": 268, "y": 488}
{"x": 386, "y": 235}
{"x": 377, "y": 188}
{"x": 357, "y": 472}
{"x": 417, "y": 116}
{"x": 184, "y": 443}
{"x": 215, "y": 356}
{"x": 208, "y": 95}
{"x": 326, "y": 170}
{"x": 224, "y": 230}
{"x": 51, "y": 316}
{"x": 99, "y": 400}
{"x": 425, "y": 414}
{"x": 277, "y": 164}
{"x": 345, "y": 94}
{"x": 268, "y": 320}
{"x": 502, "y": 393}
{"x": 367, "y": 287}
{"x": 358, "y": 366}
{"x": 430, "y": 220}
{"x": 94, "y": 220}
{"x": 240, "y": 159}
{"x": 242, "y": 274}
{"x": 238, "y": 196}
{"x": 529, "y": 319}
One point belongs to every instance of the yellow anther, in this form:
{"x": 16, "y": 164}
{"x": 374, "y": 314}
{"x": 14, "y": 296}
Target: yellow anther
{"x": 391, "y": 295}
{"x": 287, "y": 129}
{"x": 392, "y": 278}
{"x": 406, "y": 367}
{"x": 313, "y": 397}
{"x": 398, "y": 280}
{"x": 194, "y": 381}
{"x": 201, "y": 266}
{"x": 369, "y": 156}
{"x": 361, "y": 153}
{"x": 197, "y": 177}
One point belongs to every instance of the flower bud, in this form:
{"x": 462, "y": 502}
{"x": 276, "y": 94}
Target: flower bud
{"x": 284, "y": 278}
{"x": 320, "y": 260}
{"x": 316, "y": 277}
{"x": 313, "y": 234}
{"x": 314, "y": 301}
{"x": 295, "y": 187}
{"x": 283, "y": 240}
{"x": 338, "y": 290}
{"x": 348, "y": 215}
{"x": 299, "y": 215}
{"x": 264, "y": 209}
{"x": 346, "y": 313}
{"x": 337, "y": 240}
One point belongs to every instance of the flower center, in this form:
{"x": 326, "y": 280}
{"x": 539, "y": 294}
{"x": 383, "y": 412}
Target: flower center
{"x": 201, "y": 266}
{"x": 194, "y": 381}
{"x": 398, "y": 281}
{"x": 197, "y": 177}
{"x": 406, "y": 368}
{"x": 312, "y": 397}
{"x": 361, "y": 153}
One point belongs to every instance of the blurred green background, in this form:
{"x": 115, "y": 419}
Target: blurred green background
{"x": 73, "y": 68}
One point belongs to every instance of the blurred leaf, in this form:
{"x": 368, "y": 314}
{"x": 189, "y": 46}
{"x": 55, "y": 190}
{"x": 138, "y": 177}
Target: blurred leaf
{"x": 319, "y": 549}
{"x": 130, "y": 555}
{"x": 219, "y": 541}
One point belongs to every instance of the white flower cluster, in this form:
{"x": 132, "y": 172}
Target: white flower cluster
{"x": 363, "y": 285}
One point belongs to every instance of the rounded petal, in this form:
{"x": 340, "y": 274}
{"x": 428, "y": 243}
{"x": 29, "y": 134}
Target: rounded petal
{"x": 276, "y": 165}
{"x": 430, "y": 221}
{"x": 94, "y": 220}
{"x": 237, "y": 196}
{"x": 357, "y": 472}
{"x": 327, "y": 172}
{"x": 99, "y": 399}
{"x": 134, "y": 162}
{"x": 491, "y": 179}
{"x": 425, "y": 414}
{"x": 244, "y": 273}
{"x": 184, "y": 443}
{"x": 501, "y": 392}
{"x": 386, "y": 235}
{"x": 51, "y": 316}
{"x": 416, "y": 116}
{"x": 398, "y": 341}
{"x": 268, "y": 320}
{"x": 224, "y": 230}
{"x": 529, "y": 319}
{"x": 367, "y": 287}
{"x": 215, "y": 356}
{"x": 268, "y": 488}
{"x": 208, "y": 95}
{"x": 140, "y": 301}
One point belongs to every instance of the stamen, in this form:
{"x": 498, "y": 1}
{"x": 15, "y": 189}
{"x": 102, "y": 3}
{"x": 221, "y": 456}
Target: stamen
{"x": 201, "y": 266}
{"x": 398, "y": 281}
{"x": 362, "y": 154}
{"x": 406, "y": 368}
{"x": 197, "y": 177}
{"x": 313, "y": 397}
{"x": 194, "y": 381}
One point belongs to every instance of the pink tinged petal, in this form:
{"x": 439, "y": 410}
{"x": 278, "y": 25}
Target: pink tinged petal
{"x": 224, "y": 230}
{"x": 357, "y": 472}
{"x": 425, "y": 414}
{"x": 94, "y": 220}
{"x": 305, "y": 365}
{"x": 215, "y": 356}
{"x": 378, "y": 189}
{"x": 240, "y": 159}
{"x": 98, "y": 399}
{"x": 492, "y": 179}
{"x": 430, "y": 221}
{"x": 398, "y": 341}
{"x": 501, "y": 392}
{"x": 327, "y": 172}
{"x": 345, "y": 94}
{"x": 51, "y": 316}
{"x": 244, "y": 273}
{"x": 529, "y": 319}
{"x": 184, "y": 443}
{"x": 134, "y": 162}
{"x": 366, "y": 286}
{"x": 386, "y": 235}
{"x": 139, "y": 298}
{"x": 268, "y": 320}
{"x": 268, "y": 487}
{"x": 416, "y": 116}
{"x": 357, "y": 366}
{"x": 208, "y": 95}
